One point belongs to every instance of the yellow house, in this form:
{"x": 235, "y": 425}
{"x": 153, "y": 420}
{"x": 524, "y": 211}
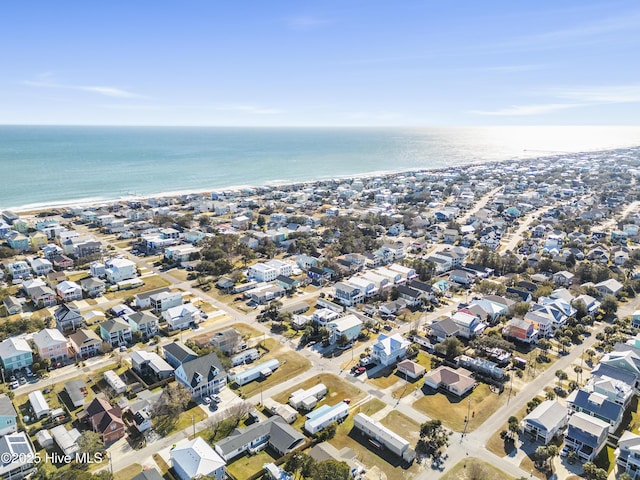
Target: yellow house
{"x": 38, "y": 240}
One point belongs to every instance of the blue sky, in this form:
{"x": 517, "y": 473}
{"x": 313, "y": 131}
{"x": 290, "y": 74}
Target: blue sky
{"x": 320, "y": 63}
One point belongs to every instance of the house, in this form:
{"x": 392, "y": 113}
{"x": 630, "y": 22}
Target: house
{"x": 68, "y": 318}
{"x": 459, "y": 382}
{"x": 97, "y": 270}
{"x": 69, "y": 291}
{"x": 608, "y": 287}
{"x": 469, "y": 325}
{"x": 585, "y": 435}
{"x": 382, "y": 437}
{"x": 628, "y": 454}
{"x": 410, "y": 370}
{"x": 67, "y": 440}
{"x": 287, "y": 283}
{"x": 274, "y": 432}
{"x": 563, "y": 278}
{"x": 40, "y": 266}
{"x": 51, "y": 345}
{"x": 389, "y": 349}
{"x": 150, "y": 364}
{"x": 148, "y": 474}
{"x": 175, "y": 353}
{"x": 85, "y": 343}
{"x": 77, "y": 390}
{"x": 182, "y": 316}
{"x": 307, "y": 399}
{"x": 520, "y": 330}
{"x": 39, "y": 405}
{"x": 18, "y": 447}
{"x": 229, "y": 341}
{"x": 144, "y": 322}
{"x": 43, "y": 297}
{"x": 181, "y": 253}
{"x": 93, "y": 287}
{"x": 462, "y": 277}
{"x": 62, "y": 262}
{"x": 8, "y": 416}
{"x": 18, "y": 241}
{"x": 261, "y": 370}
{"x": 143, "y": 300}
{"x": 165, "y": 300}
{"x": 142, "y": 408}
{"x": 323, "y": 416}
{"x": 195, "y": 459}
{"x": 119, "y": 269}
{"x": 443, "y": 329}
{"x": 15, "y": 353}
{"x": 596, "y": 405}
{"x": 348, "y": 294}
{"x": 105, "y": 419}
{"x": 19, "y": 269}
{"x": 202, "y": 376}
{"x": 349, "y": 326}
{"x": 411, "y": 296}
{"x": 12, "y": 305}
{"x": 546, "y": 421}
{"x": 262, "y": 272}
{"x": 116, "y": 331}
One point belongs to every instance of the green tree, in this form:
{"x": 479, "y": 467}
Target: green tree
{"x": 450, "y": 348}
{"x": 609, "y": 305}
{"x": 331, "y": 470}
{"x": 90, "y": 443}
{"x": 433, "y": 437}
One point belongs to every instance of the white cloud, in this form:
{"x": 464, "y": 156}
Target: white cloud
{"x": 602, "y": 94}
{"x": 528, "y": 110}
{"x": 113, "y": 92}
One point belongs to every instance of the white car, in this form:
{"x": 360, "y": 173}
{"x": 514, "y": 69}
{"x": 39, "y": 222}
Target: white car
{"x": 216, "y": 398}
{"x": 206, "y": 400}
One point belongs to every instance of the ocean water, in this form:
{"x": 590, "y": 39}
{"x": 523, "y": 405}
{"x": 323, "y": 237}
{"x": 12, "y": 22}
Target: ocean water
{"x": 47, "y": 165}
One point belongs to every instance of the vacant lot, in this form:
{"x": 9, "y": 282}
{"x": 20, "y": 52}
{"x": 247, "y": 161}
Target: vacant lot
{"x": 473, "y": 468}
{"x": 480, "y": 405}
{"x": 404, "y": 426}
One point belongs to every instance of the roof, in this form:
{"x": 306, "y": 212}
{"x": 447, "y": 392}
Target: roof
{"x": 584, "y": 428}
{"x": 390, "y": 344}
{"x": 14, "y": 346}
{"x": 459, "y": 378}
{"x": 446, "y": 325}
{"x": 145, "y": 295}
{"x": 196, "y": 458}
{"x": 6, "y": 407}
{"x": 343, "y": 324}
{"x": 114, "y": 325}
{"x": 84, "y": 335}
{"x": 38, "y": 402}
{"x": 155, "y": 361}
{"x": 48, "y": 337}
{"x": 548, "y": 415}
{"x": 596, "y": 403}
{"x": 202, "y": 370}
{"x": 381, "y": 432}
{"x": 140, "y": 318}
{"x": 74, "y": 390}
{"x": 409, "y": 366}
{"x": 281, "y": 436}
{"x": 151, "y": 474}
{"x": 179, "y": 351}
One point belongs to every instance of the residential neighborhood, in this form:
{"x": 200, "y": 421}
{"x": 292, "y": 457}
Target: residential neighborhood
{"x": 394, "y": 324}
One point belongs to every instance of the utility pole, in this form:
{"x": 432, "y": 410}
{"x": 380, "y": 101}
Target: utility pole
{"x": 193, "y": 422}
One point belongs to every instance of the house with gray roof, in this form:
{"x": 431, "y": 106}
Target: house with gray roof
{"x": 443, "y": 329}
{"x": 597, "y": 405}
{"x": 8, "y": 416}
{"x": 586, "y": 435}
{"x": 68, "y": 318}
{"x": 144, "y": 322}
{"x": 546, "y": 421}
{"x": 150, "y": 364}
{"x": 176, "y": 354}
{"x": 202, "y": 376}
{"x": 274, "y": 432}
{"x": 628, "y": 454}
{"x": 77, "y": 390}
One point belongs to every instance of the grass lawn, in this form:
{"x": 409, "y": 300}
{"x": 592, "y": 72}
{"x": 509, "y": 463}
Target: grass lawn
{"x": 151, "y": 282}
{"x": 162, "y": 465}
{"x": 337, "y": 389}
{"x": 482, "y": 403}
{"x": 247, "y": 465}
{"x": 347, "y": 436}
{"x": 407, "y": 388}
{"x": 178, "y": 274}
{"x": 466, "y": 470}
{"x": 527, "y": 465}
{"x": 404, "y": 426}
{"x": 606, "y": 459}
{"x": 499, "y": 446}
{"x": 384, "y": 378}
{"x": 76, "y": 276}
{"x": 128, "y": 473}
{"x": 186, "y": 419}
{"x": 291, "y": 365}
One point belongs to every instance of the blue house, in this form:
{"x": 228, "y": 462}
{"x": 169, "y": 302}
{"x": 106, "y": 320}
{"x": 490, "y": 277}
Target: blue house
{"x": 15, "y": 353}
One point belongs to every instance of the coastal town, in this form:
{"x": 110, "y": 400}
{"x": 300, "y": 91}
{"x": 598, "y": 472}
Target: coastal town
{"x": 472, "y": 322}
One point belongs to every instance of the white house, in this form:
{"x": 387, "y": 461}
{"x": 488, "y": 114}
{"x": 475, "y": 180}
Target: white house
{"x": 263, "y": 273}
{"x": 181, "y": 316}
{"x": 323, "y": 416}
{"x": 349, "y": 325}
{"x": 195, "y": 459}
{"x": 119, "y": 269}
{"x": 389, "y": 349}
{"x": 69, "y": 291}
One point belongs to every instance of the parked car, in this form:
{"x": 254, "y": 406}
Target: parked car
{"x": 360, "y": 371}
{"x": 216, "y": 398}
{"x": 14, "y": 385}
{"x": 206, "y": 400}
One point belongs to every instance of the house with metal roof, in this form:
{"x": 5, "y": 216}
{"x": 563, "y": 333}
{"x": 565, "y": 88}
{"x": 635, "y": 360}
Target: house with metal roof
{"x": 389, "y": 349}
{"x": 264, "y": 369}
{"x": 597, "y": 405}
{"x": 39, "y": 405}
{"x": 196, "y": 458}
{"x": 381, "y": 435}
{"x": 77, "y": 390}
{"x": 67, "y": 440}
{"x": 202, "y": 376}
{"x": 349, "y": 325}
{"x": 628, "y": 454}
{"x": 585, "y": 435}
{"x": 324, "y": 415}
{"x": 176, "y": 353}
{"x": 150, "y": 364}
{"x": 274, "y": 432}
{"x": 546, "y": 421}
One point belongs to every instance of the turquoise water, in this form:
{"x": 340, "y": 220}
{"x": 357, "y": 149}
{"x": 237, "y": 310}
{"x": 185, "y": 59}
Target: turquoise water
{"x": 45, "y": 165}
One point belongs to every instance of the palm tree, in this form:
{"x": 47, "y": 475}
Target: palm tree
{"x": 578, "y": 370}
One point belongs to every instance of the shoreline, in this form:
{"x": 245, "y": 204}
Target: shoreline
{"x": 36, "y": 208}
